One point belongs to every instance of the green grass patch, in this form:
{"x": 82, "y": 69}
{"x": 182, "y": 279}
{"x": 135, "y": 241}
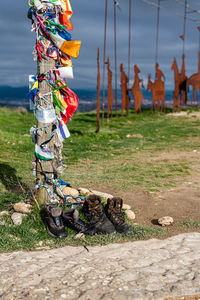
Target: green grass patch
{"x": 191, "y": 224}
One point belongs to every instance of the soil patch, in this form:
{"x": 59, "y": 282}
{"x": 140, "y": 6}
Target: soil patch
{"x": 181, "y": 202}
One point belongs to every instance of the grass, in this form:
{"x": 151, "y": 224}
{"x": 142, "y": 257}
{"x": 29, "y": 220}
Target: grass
{"x": 109, "y": 158}
{"x": 32, "y": 234}
{"x": 191, "y": 224}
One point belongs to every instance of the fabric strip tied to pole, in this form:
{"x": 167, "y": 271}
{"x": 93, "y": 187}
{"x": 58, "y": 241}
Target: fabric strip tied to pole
{"x": 45, "y": 115}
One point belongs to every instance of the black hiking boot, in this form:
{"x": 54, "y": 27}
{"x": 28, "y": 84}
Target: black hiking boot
{"x": 71, "y": 219}
{"x": 114, "y": 213}
{"x": 93, "y": 209}
{"x": 52, "y": 218}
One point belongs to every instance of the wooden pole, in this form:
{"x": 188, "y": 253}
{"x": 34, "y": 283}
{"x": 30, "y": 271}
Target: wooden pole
{"x": 157, "y": 30}
{"x": 44, "y": 168}
{"x": 129, "y": 40}
{"x": 184, "y": 26}
{"x": 115, "y": 54}
{"x": 199, "y": 37}
{"x": 98, "y": 92}
{"x": 104, "y": 60}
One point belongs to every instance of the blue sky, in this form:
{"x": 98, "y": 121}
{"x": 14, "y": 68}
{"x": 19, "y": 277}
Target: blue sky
{"x": 17, "y": 40}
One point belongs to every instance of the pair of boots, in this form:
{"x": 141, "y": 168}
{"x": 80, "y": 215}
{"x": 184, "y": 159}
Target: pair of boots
{"x": 108, "y": 220}
{"x": 56, "y": 219}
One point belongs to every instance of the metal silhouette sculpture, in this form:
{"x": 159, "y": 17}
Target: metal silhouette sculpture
{"x": 180, "y": 86}
{"x": 194, "y": 81}
{"x": 183, "y": 83}
{"x": 157, "y": 89}
{"x": 155, "y": 100}
{"x": 124, "y": 91}
{"x": 176, "y": 93}
{"x": 110, "y": 90}
{"x": 136, "y": 90}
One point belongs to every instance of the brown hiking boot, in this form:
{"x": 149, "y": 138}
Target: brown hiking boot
{"x": 72, "y": 220}
{"x": 93, "y": 209}
{"x": 52, "y": 217}
{"x": 114, "y": 213}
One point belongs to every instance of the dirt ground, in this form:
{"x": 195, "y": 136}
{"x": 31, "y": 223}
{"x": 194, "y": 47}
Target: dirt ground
{"x": 182, "y": 202}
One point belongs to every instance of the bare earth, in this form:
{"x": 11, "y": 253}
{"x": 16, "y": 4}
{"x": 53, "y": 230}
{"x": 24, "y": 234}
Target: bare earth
{"x": 151, "y": 269}
{"x": 181, "y": 202}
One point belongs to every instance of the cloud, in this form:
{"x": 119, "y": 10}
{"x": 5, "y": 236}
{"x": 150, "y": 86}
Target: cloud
{"x": 17, "y": 40}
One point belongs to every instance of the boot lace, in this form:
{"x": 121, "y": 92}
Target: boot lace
{"x": 96, "y": 214}
{"x": 118, "y": 217}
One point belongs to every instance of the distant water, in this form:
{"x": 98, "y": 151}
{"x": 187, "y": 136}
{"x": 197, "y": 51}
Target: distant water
{"x": 88, "y": 99}
{"x": 12, "y": 97}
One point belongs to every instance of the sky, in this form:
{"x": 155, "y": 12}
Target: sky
{"x": 17, "y": 40}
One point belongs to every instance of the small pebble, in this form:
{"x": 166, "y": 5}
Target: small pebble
{"x": 126, "y": 206}
{"x": 130, "y": 214}
{"x": 165, "y": 221}
{"x": 70, "y": 191}
{"x": 17, "y": 218}
{"x": 101, "y": 194}
{"x": 4, "y": 213}
{"x": 84, "y": 191}
{"x": 79, "y": 235}
{"x": 22, "y": 207}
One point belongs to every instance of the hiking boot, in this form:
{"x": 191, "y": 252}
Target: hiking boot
{"x": 113, "y": 211}
{"x": 93, "y": 209}
{"x": 72, "y": 220}
{"x": 52, "y": 218}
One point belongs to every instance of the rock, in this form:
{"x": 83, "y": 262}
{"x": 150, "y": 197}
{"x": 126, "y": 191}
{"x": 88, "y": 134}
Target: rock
{"x": 137, "y": 135}
{"x": 126, "y": 206}
{"x": 84, "y": 191}
{"x": 130, "y": 214}
{"x": 101, "y": 194}
{"x": 79, "y": 235}
{"x": 70, "y": 191}
{"x": 17, "y": 218}
{"x": 165, "y": 221}
{"x": 4, "y": 213}
{"x": 22, "y": 207}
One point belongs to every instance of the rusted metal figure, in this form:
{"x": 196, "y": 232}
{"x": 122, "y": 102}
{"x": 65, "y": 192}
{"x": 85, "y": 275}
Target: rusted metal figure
{"x": 183, "y": 83}
{"x": 136, "y": 90}
{"x": 194, "y": 81}
{"x": 157, "y": 89}
{"x": 176, "y": 93}
{"x": 124, "y": 91}
{"x": 180, "y": 86}
{"x": 110, "y": 90}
